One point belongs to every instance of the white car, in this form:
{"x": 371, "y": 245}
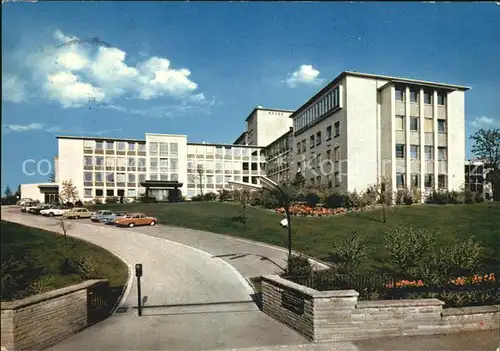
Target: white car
{"x": 24, "y": 201}
{"x": 54, "y": 212}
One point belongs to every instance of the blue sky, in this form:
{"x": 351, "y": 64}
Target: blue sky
{"x": 200, "y": 68}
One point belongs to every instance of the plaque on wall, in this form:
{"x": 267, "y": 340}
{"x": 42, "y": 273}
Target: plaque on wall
{"x": 292, "y": 302}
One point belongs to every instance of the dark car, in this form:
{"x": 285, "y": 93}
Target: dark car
{"x": 38, "y": 209}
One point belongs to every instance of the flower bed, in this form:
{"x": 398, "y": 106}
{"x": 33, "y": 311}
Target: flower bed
{"x": 304, "y": 210}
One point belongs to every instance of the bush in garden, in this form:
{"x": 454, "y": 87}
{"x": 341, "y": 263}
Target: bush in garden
{"x": 469, "y": 196}
{"x": 97, "y": 200}
{"x": 85, "y": 267}
{"x": 369, "y": 197}
{"x": 464, "y": 257}
{"x": 352, "y": 200}
{"x": 111, "y": 199}
{"x": 416, "y": 195}
{"x": 42, "y": 285}
{"x": 69, "y": 204}
{"x": 407, "y": 247}
{"x": 78, "y": 204}
{"x": 197, "y": 198}
{"x": 210, "y": 196}
{"x": 225, "y": 195}
{"x": 298, "y": 266}
{"x": 349, "y": 254}
{"x": 312, "y": 199}
{"x": 478, "y": 198}
{"x": 334, "y": 201}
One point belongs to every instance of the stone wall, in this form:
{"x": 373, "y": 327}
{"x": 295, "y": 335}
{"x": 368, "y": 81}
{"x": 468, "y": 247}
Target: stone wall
{"x": 338, "y": 315}
{"x": 43, "y": 320}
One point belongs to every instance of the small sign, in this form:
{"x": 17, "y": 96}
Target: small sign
{"x": 292, "y": 302}
{"x": 138, "y": 270}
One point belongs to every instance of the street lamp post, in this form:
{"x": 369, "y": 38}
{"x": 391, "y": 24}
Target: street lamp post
{"x": 283, "y": 197}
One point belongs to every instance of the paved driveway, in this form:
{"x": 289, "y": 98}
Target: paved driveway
{"x": 174, "y": 274}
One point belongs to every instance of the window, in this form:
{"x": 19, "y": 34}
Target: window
{"x": 441, "y": 126}
{"x": 110, "y": 177}
{"x": 442, "y": 181}
{"x": 400, "y": 123}
{"x": 219, "y": 179}
{"x": 298, "y": 148}
{"x": 153, "y": 164}
{"x": 337, "y": 179}
{"x": 110, "y": 145}
{"x": 311, "y": 141}
{"x": 121, "y": 146}
{"x": 88, "y": 177}
{"x": 131, "y": 177}
{"x": 174, "y": 164}
{"x": 153, "y": 149}
{"x": 131, "y": 146}
{"x": 337, "y": 128}
{"x": 110, "y": 192}
{"x": 428, "y": 180}
{"x": 88, "y": 144}
{"x": 99, "y": 145}
{"x": 441, "y": 154}
{"x": 131, "y": 162}
{"x": 328, "y": 132}
{"x": 400, "y": 94}
{"x": 131, "y": 193}
{"x": 428, "y": 125}
{"x": 336, "y": 154}
{"x": 428, "y": 153}
{"x": 329, "y": 154}
{"x": 163, "y": 164}
{"x": 88, "y": 160}
{"x": 400, "y": 151}
{"x": 174, "y": 149}
{"x": 163, "y": 176}
{"x": 99, "y": 192}
{"x": 110, "y": 162}
{"x": 142, "y": 147}
{"x": 414, "y": 152}
{"x": 330, "y": 181}
{"x": 153, "y": 176}
{"x": 99, "y": 177}
{"x": 415, "y": 181}
{"x": 163, "y": 149}
{"x": 400, "y": 180}
{"x": 99, "y": 161}
{"x": 428, "y": 97}
{"x": 120, "y": 177}
{"x": 304, "y": 145}
{"x": 413, "y": 95}
{"x": 121, "y": 162}
{"x": 441, "y": 99}
{"x": 318, "y": 138}
{"x": 414, "y": 124}
{"x": 142, "y": 177}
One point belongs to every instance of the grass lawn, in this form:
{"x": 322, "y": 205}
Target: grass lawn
{"x": 315, "y": 236}
{"x": 38, "y": 253}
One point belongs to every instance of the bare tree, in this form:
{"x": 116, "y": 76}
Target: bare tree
{"x": 384, "y": 194}
{"x": 61, "y": 222}
{"x": 200, "y": 172}
{"x": 244, "y": 201}
{"x": 69, "y": 192}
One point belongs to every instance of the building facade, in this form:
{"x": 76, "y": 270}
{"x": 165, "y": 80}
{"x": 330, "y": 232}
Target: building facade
{"x": 475, "y": 178}
{"x": 264, "y": 125}
{"x": 279, "y": 155}
{"x": 361, "y": 128}
{"x": 126, "y": 168}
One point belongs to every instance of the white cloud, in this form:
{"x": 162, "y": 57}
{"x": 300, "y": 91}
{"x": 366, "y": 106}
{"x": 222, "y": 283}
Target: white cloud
{"x": 484, "y": 122}
{"x": 306, "y": 75}
{"x": 13, "y": 89}
{"x": 24, "y": 127}
{"x": 73, "y": 75}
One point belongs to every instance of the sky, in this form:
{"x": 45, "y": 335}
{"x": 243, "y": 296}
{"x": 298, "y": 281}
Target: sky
{"x": 121, "y": 69}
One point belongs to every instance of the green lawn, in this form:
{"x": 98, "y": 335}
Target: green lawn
{"x": 315, "y": 236}
{"x": 29, "y": 254}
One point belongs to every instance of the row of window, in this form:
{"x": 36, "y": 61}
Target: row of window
{"x": 163, "y": 149}
{"x": 210, "y": 179}
{"x": 316, "y": 139}
{"x": 314, "y": 112}
{"x": 130, "y": 162}
{"x": 223, "y": 150}
{"x": 114, "y": 145}
{"x": 415, "y": 124}
{"x": 415, "y": 152}
{"x": 111, "y": 177}
{"x": 400, "y": 95}
{"x": 331, "y": 181}
{"x": 91, "y": 193}
{"x": 415, "y": 180}
{"x": 318, "y": 158}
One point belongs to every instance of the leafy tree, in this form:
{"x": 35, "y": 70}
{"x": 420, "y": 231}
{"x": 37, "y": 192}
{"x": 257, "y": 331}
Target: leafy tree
{"x": 8, "y": 192}
{"x": 18, "y": 191}
{"x": 487, "y": 147}
{"x": 244, "y": 201}
{"x": 200, "y": 171}
{"x": 69, "y": 192}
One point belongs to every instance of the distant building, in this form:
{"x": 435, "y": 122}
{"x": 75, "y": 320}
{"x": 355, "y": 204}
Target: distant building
{"x": 475, "y": 177}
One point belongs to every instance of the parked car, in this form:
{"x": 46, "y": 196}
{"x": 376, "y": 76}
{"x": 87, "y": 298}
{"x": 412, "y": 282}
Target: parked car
{"x": 112, "y": 217}
{"x": 36, "y": 210}
{"x": 133, "y": 219}
{"x": 24, "y": 201}
{"x": 28, "y": 205}
{"x": 77, "y": 213}
{"x": 54, "y": 211}
{"x": 98, "y": 216}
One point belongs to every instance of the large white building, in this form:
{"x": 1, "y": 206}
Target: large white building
{"x": 160, "y": 163}
{"x": 355, "y": 131}
{"x": 362, "y": 127}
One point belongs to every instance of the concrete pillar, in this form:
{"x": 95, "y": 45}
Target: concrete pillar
{"x": 422, "y": 143}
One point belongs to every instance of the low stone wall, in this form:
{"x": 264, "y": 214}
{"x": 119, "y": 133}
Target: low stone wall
{"x": 40, "y": 321}
{"x": 338, "y": 315}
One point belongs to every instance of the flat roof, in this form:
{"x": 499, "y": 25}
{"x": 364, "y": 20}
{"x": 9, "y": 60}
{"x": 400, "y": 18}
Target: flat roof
{"x": 98, "y": 138}
{"x": 266, "y": 109}
{"x": 227, "y": 145}
{"x": 392, "y": 80}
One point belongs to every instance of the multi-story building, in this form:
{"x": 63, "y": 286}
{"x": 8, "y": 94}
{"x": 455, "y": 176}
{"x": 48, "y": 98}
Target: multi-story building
{"x": 264, "y": 125}
{"x": 362, "y": 127}
{"x": 279, "y": 155}
{"x": 161, "y": 164}
{"x": 475, "y": 177}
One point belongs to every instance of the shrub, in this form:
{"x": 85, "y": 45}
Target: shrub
{"x": 298, "y": 266}
{"x": 334, "y": 201}
{"x": 352, "y": 200}
{"x": 197, "y": 198}
{"x": 349, "y": 254}
{"x": 368, "y": 197}
{"x": 463, "y": 257}
{"x": 69, "y": 204}
{"x": 404, "y": 197}
{"x": 478, "y": 198}
{"x": 85, "y": 267}
{"x": 98, "y": 200}
{"x": 210, "y": 196}
{"x": 42, "y": 285}
{"x": 312, "y": 199}
{"x": 469, "y": 196}
{"x": 111, "y": 199}
{"x": 407, "y": 246}
{"x": 143, "y": 198}
{"x": 224, "y": 195}
{"x": 416, "y": 195}
{"x": 78, "y": 204}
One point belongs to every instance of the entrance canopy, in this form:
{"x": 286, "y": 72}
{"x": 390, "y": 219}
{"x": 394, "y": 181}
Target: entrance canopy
{"x": 163, "y": 189}
{"x": 161, "y": 184}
